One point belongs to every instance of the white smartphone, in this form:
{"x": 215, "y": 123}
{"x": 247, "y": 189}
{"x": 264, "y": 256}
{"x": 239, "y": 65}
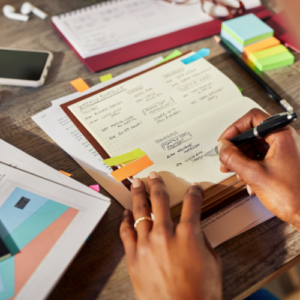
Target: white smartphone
{"x": 24, "y": 67}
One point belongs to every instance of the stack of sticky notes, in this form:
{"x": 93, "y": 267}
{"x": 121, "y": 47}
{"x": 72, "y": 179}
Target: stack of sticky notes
{"x": 254, "y": 38}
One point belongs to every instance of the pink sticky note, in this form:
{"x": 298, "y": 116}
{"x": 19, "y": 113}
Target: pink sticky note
{"x": 95, "y": 187}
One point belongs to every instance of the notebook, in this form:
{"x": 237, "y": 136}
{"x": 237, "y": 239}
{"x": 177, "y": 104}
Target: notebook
{"x": 113, "y": 32}
{"x": 174, "y": 113}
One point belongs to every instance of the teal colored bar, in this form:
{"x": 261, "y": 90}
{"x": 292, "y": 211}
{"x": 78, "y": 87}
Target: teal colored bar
{"x": 200, "y": 54}
{"x": 34, "y": 225}
{"x": 7, "y": 269}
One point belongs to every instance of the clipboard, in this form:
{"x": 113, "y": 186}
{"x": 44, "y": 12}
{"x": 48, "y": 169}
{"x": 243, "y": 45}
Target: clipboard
{"x": 122, "y": 55}
{"x": 212, "y": 196}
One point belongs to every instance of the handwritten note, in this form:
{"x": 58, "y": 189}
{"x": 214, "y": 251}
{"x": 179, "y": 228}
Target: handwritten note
{"x": 174, "y": 113}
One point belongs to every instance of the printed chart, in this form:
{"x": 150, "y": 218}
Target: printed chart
{"x": 30, "y": 225}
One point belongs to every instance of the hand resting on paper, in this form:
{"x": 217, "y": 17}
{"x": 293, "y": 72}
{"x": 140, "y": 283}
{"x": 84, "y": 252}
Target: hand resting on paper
{"x": 165, "y": 261}
{"x": 275, "y": 176}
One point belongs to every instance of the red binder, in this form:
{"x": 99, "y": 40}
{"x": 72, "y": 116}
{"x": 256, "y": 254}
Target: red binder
{"x": 135, "y": 51}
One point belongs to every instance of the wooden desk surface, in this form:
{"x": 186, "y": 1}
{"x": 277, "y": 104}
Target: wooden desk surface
{"x": 99, "y": 272}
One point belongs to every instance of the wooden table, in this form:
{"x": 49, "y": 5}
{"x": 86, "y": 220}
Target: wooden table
{"x": 99, "y": 272}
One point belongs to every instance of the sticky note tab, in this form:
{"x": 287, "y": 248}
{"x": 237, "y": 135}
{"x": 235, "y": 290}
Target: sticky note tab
{"x": 80, "y": 85}
{"x": 275, "y": 61}
{"x": 95, "y": 187}
{"x": 267, "y": 52}
{"x": 200, "y": 54}
{"x": 65, "y": 173}
{"x": 174, "y": 54}
{"x": 247, "y": 29}
{"x": 106, "y": 77}
{"x": 123, "y": 158}
{"x": 240, "y": 89}
{"x": 264, "y": 44}
{"x": 132, "y": 168}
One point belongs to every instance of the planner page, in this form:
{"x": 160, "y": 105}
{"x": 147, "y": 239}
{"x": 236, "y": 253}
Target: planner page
{"x": 174, "y": 113}
{"x": 111, "y": 25}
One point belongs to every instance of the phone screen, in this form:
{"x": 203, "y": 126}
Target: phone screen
{"x": 24, "y": 65}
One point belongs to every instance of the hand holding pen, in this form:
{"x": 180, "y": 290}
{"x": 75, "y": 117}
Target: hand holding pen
{"x": 276, "y": 179}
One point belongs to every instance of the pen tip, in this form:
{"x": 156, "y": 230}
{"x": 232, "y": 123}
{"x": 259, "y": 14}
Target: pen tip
{"x": 217, "y": 39}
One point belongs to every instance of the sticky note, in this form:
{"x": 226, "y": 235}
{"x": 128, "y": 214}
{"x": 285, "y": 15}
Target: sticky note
{"x": 80, "y": 85}
{"x": 264, "y": 44}
{"x": 7, "y": 269}
{"x": 275, "y": 61}
{"x": 65, "y": 173}
{"x": 267, "y": 52}
{"x": 95, "y": 187}
{"x": 132, "y": 168}
{"x": 201, "y": 53}
{"x": 247, "y": 29}
{"x": 240, "y": 89}
{"x": 174, "y": 54}
{"x": 106, "y": 77}
{"x": 231, "y": 40}
{"x": 123, "y": 158}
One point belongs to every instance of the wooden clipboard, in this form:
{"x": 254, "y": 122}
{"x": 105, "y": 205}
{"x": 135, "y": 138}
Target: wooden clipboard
{"x": 212, "y": 195}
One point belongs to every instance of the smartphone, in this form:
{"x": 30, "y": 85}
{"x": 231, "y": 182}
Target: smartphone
{"x": 24, "y": 67}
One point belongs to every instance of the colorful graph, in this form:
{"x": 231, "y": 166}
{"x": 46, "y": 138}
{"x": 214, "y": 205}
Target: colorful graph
{"x": 30, "y": 226}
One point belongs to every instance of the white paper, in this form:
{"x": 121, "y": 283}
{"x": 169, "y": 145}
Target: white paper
{"x": 235, "y": 219}
{"x": 104, "y": 27}
{"x": 175, "y": 114}
{"x": 60, "y": 128}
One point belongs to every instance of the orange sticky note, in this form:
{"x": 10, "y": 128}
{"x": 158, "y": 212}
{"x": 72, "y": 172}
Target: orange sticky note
{"x": 65, "y": 173}
{"x": 80, "y": 85}
{"x": 261, "y": 45}
{"x": 132, "y": 168}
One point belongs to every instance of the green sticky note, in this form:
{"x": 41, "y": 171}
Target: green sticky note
{"x": 7, "y": 269}
{"x": 106, "y": 77}
{"x": 267, "y": 52}
{"x": 275, "y": 61}
{"x": 174, "y": 54}
{"x": 239, "y": 88}
{"x": 124, "y": 158}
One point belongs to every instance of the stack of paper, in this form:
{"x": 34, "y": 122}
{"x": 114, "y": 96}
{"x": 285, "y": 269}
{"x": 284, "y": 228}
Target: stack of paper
{"x": 229, "y": 222}
{"x": 46, "y": 217}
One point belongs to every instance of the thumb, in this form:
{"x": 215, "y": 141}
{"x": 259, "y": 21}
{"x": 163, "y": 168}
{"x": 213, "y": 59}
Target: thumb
{"x": 234, "y": 159}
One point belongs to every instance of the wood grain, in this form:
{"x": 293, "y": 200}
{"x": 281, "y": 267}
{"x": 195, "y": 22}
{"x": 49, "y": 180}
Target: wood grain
{"x": 99, "y": 270}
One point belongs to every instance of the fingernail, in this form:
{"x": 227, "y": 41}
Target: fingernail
{"x": 153, "y": 175}
{"x": 249, "y": 190}
{"x": 238, "y": 177}
{"x": 220, "y": 144}
{"x": 195, "y": 183}
{"x": 137, "y": 182}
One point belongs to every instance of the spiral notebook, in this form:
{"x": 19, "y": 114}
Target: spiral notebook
{"x": 114, "y": 32}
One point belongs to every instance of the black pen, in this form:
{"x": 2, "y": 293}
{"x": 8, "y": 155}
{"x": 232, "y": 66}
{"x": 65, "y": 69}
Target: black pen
{"x": 233, "y": 53}
{"x": 265, "y": 128}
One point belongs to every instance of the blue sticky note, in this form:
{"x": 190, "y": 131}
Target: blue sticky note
{"x": 231, "y": 40}
{"x": 7, "y": 269}
{"x": 201, "y": 53}
{"x": 11, "y": 216}
{"x": 247, "y": 29}
{"x": 2, "y": 287}
{"x": 34, "y": 225}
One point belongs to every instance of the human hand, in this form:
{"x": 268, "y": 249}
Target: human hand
{"x": 276, "y": 178}
{"x": 165, "y": 261}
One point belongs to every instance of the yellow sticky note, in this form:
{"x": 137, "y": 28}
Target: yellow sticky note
{"x": 65, "y": 173}
{"x": 127, "y": 157}
{"x": 132, "y": 168}
{"x": 80, "y": 85}
{"x": 106, "y": 77}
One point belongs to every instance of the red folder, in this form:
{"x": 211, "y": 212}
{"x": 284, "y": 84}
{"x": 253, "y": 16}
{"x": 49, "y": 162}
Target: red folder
{"x": 135, "y": 51}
